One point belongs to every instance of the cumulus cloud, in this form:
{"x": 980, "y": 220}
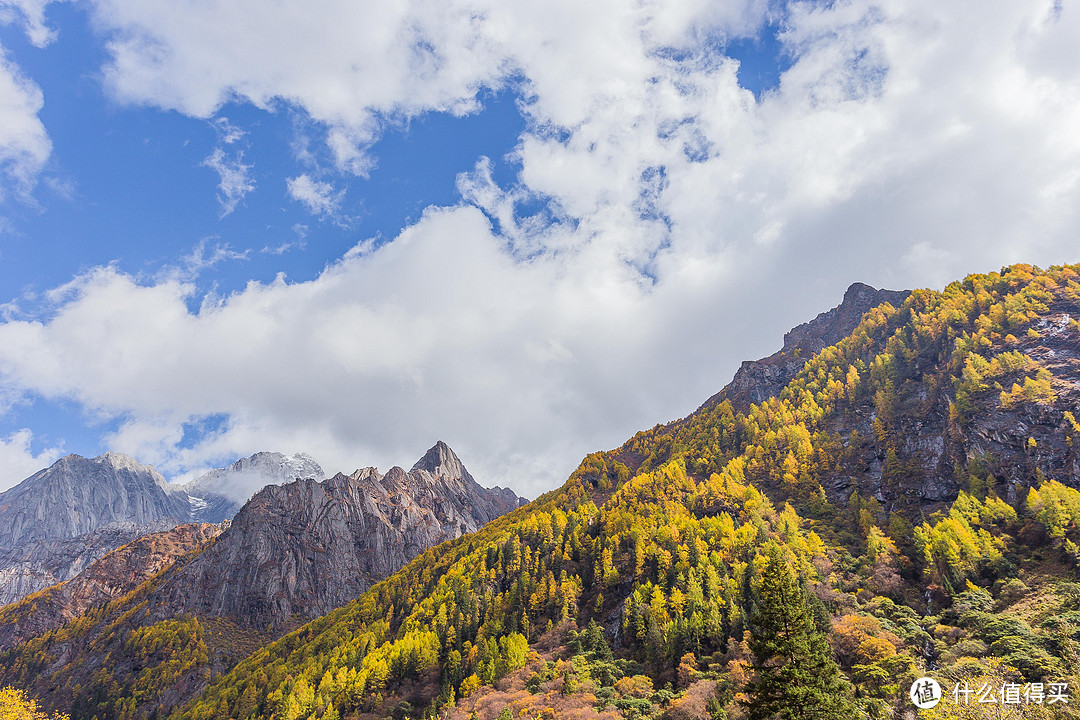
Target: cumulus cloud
{"x": 235, "y": 178}
{"x": 892, "y": 121}
{"x": 685, "y": 223}
{"x": 18, "y": 461}
{"x": 438, "y": 334}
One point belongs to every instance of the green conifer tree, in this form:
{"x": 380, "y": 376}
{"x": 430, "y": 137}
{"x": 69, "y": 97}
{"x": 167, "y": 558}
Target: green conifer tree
{"x": 795, "y": 677}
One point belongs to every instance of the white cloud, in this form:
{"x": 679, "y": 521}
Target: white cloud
{"x": 24, "y": 144}
{"x": 235, "y": 178}
{"x": 687, "y": 223}
{"x": 31, "y": 13}
{"x": 522, "y": 367}
{"x": 18, "y": 461}
{"x": 639, "y": 133}
{"x": 228, "y": 132}
{"x": 320, "y": 198}
{"x": 201, "y": 257}
{"x": 284, "y": 247}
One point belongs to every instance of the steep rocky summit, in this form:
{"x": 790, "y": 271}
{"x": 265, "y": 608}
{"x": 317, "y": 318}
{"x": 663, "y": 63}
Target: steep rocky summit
{"x": 59, "y": 520}
{"x": 76, "y": 495}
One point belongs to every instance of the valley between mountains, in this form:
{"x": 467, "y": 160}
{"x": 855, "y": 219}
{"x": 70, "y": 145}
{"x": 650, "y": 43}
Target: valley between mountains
{"x": 894, "y": 493}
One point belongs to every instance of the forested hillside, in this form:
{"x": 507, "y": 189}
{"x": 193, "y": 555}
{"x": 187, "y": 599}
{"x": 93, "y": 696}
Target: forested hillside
{"x": 906, "y": 504}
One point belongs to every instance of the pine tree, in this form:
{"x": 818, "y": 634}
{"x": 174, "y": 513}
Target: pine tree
{"x": 795, "y": 675}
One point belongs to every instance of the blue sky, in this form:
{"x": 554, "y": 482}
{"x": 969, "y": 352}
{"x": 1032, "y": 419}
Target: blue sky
{"x": 131, "y": 185}
{"x": 352, "y": 229}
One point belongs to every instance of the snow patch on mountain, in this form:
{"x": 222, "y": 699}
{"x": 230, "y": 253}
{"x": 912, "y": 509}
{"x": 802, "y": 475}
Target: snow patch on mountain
{"x": 218, "y": 494}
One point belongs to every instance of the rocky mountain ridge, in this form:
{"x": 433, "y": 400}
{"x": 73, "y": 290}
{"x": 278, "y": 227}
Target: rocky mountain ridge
{"x": 757, "y": 380}
{"x": 292, "y": 553}
{"x": 939, "y": 438}
{"x": 297, "y": 551}
{"x": 39, "y": 564}
{"x": 58, "y": 521}
{"x": 76, "y": 496}
{"x": 61, "y": 519}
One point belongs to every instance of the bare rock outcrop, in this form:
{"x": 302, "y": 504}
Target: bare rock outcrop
{"x": 59, "y": 520}
{"x": 76, "y": 496}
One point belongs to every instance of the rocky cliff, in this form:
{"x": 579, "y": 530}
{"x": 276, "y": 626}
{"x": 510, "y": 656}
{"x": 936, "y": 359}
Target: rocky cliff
{"x": 293, "y": 552}
{"x": 59, "y": 520}
{"x": 915, "y": 445}
{"x": 944, "y": 434}
{"x": 76, "y": 496}
{"x": 38, "y": 564}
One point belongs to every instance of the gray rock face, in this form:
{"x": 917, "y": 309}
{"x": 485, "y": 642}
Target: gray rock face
{"x": 297, "y": 551}
{"x": 759, "y": 380}
{"x": 36, "y": 565}
{"x": 219, "y": 494}
{"x": 61, "y": 519}
{"x": 1010, "y": 446}
{"x": 58, "y": 521}
{"x": 77, "y": 495}
{"x": 302, "y": 549}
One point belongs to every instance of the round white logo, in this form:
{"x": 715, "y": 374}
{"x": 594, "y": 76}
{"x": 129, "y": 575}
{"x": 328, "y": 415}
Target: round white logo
{"x": 925, "y": 693}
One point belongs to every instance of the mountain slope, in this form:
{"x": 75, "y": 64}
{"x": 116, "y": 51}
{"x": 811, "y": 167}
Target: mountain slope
{"x": 77, "y": 495}
{"x": 661, "y": 541}
{"x": 113, "y": 575}
{"x": 293, "y": 552}
{"x": 57, "y": 522}
{"x": 305, "y": 548}
{"x": 37, "y": 565}
{"x": 758, "y": 380}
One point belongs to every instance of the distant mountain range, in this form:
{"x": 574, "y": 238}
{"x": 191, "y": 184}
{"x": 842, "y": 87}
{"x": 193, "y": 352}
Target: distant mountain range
{"x": 293, "y": 552}
{"x": 57, "y": 522}
{"x": 297, "y": 551}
